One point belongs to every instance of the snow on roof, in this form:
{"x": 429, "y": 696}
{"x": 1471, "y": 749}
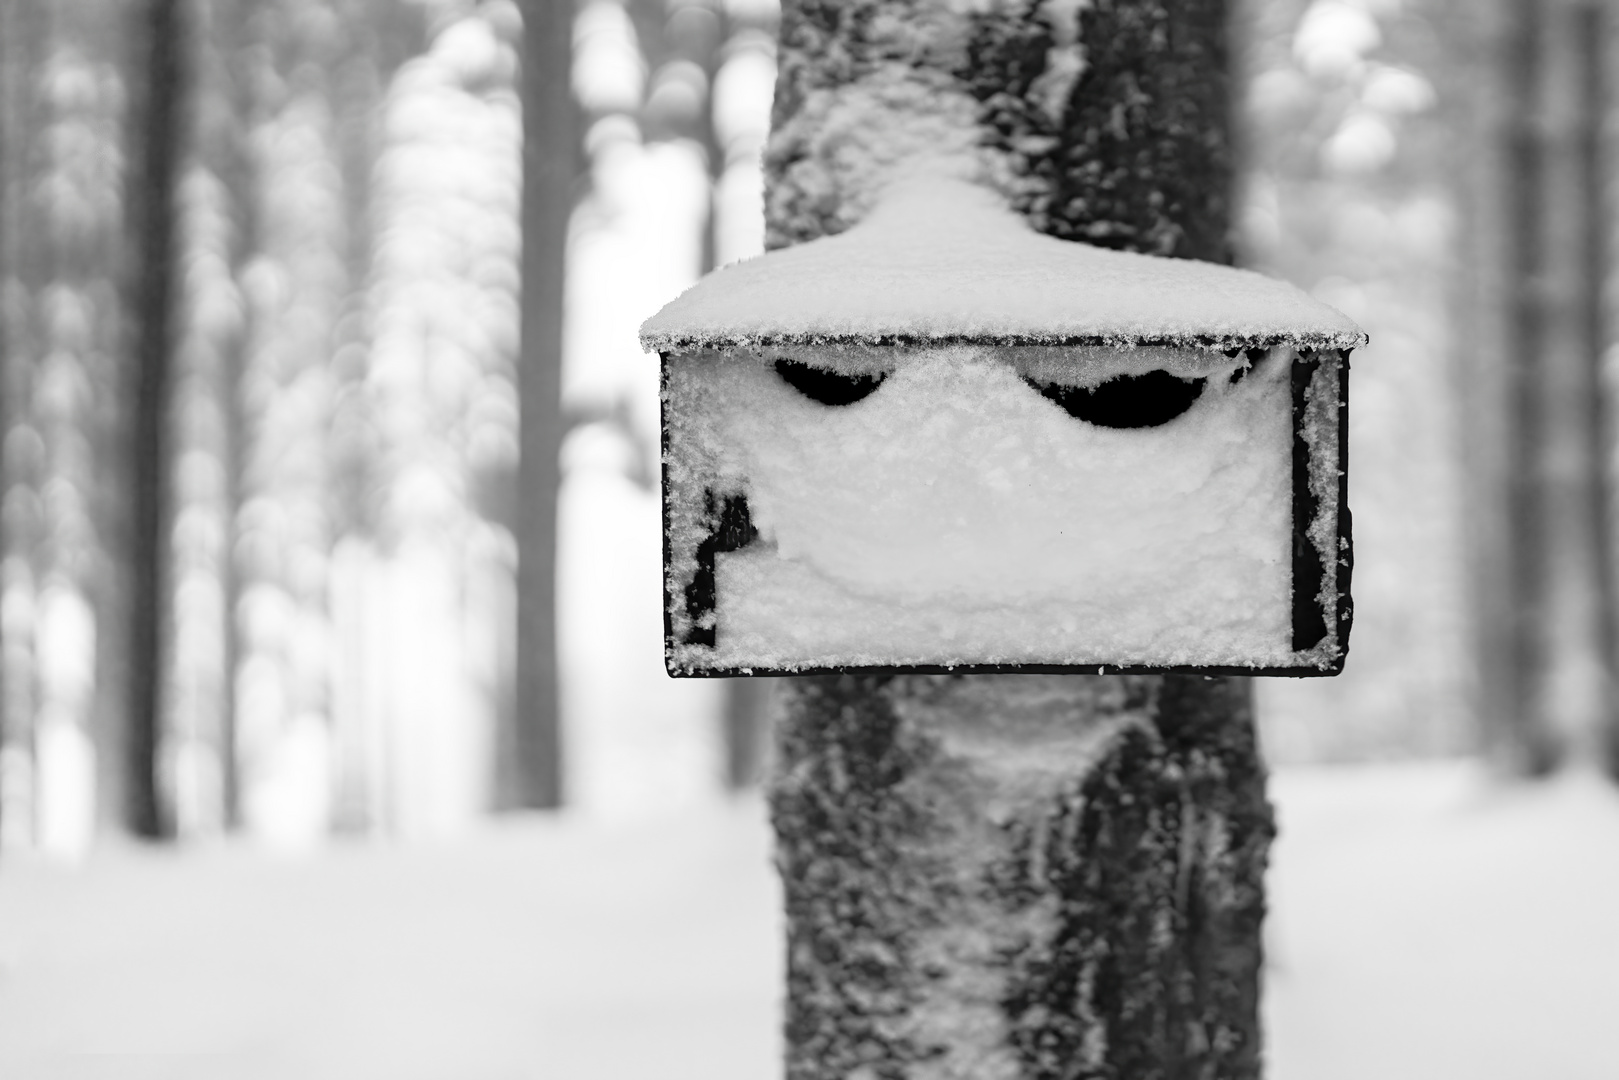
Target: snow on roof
{"x": 945, "y": 261}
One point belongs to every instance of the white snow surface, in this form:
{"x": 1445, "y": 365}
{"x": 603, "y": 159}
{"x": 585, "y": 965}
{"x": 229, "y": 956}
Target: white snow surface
{"x": 1425, "y": 922}
{"x": 957, "y": 516}
{"x": 945, "y": 259}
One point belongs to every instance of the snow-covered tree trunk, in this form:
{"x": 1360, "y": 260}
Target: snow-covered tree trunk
{"x": 1016, "y": 876}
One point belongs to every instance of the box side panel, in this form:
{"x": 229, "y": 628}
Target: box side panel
{"x": 1311, "y": 512}
{"x": 1322, "y": 554}
{"x": 1346, "y": 542}
{"x": 664, "y": 501}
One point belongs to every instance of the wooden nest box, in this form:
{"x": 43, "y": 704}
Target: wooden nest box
{"x": 941, "y": 441}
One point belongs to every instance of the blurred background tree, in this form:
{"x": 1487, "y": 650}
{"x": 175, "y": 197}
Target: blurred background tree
{"x": 321, "y": 631}
{"x": 157, "y": 88}
{"x": 1534, "y": 320}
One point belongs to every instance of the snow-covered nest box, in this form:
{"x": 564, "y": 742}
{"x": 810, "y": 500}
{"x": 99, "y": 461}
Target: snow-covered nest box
{"x": 941, "y": 441}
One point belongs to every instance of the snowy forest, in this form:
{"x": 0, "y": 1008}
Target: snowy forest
{"x": 318, "y": 352}
{"x": 264, "y": 580}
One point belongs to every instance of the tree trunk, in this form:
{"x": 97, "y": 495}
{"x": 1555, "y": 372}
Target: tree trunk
{"x": 236, "y": 170}
{"x": 1493, "y": 80}
{"x": 745, "y": 729}
{"x": 1017, "y": 876}
{"x": 1570, "y": 648}
{"x": 533, "y": 746}
{"x": 1533, "y": 340}
{"x": 156, "y": 128}
{"x": 12, "y": 746}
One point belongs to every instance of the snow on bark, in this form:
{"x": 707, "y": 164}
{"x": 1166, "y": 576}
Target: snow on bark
{"x": 868, "y": 92}
{"x": 1016, "y": 876}
{"x": 1020, "y": 876}
{"x": 1103, "y": 121}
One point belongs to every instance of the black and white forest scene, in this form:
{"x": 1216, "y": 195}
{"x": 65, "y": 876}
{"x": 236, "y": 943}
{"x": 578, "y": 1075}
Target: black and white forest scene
{"x": 825, "y": 539}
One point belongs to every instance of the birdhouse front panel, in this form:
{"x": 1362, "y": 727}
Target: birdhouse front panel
{"x": 971, "y": 507}
{"x": 970, "y": 447}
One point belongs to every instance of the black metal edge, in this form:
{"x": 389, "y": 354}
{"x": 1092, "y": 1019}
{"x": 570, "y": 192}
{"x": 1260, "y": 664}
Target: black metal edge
{"x": 1346, "y": 539}
{"x": 1231, "y": 344}
{"x": 663, "y": 484}
{"x": 1307, "y": 570}
{"x": 1300, "y": 672}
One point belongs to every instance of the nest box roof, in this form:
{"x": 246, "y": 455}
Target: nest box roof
{"x": 948, "y": 262}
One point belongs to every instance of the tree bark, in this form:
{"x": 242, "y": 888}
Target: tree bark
{"x": 1018, "y": 876}
{"x": 11, "y": 742}
{"x": 1569, "y": 651}
{"x": 1532, "y": 341}
{"x": 156, "y": 127}
{"x": 223, "y": 130}
{"x": 533, "y": 749}
{"x": 1492, "y": 81}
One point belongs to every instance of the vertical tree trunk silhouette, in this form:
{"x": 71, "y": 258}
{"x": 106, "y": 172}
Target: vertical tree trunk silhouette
{"x": 159, "y": 29}
{"x": 745, "y": 729}
{"x": 1533, "y": 338}
{"x": 10, "y": 185}
{"x": 240, "y": 179}
{"x": 1570, "y": 653}
{"x": 532, "y": 749}
{"x": 951, "y": 914}
{"x": 225, "y": 83}
{"x": 1499, "y": 64}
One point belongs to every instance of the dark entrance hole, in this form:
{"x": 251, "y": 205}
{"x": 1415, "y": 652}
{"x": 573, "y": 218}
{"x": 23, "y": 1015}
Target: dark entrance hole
{"x": 1126, "y": 401}
{"x": 827, "y": 387}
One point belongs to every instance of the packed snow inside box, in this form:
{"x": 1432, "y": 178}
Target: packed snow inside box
{"x": 968, "y": 505}
{"x": 942, "y": 440}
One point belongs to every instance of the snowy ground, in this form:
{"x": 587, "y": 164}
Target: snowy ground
{"x": 1425, "y": 925}
{"x": 1428, "y": 925}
